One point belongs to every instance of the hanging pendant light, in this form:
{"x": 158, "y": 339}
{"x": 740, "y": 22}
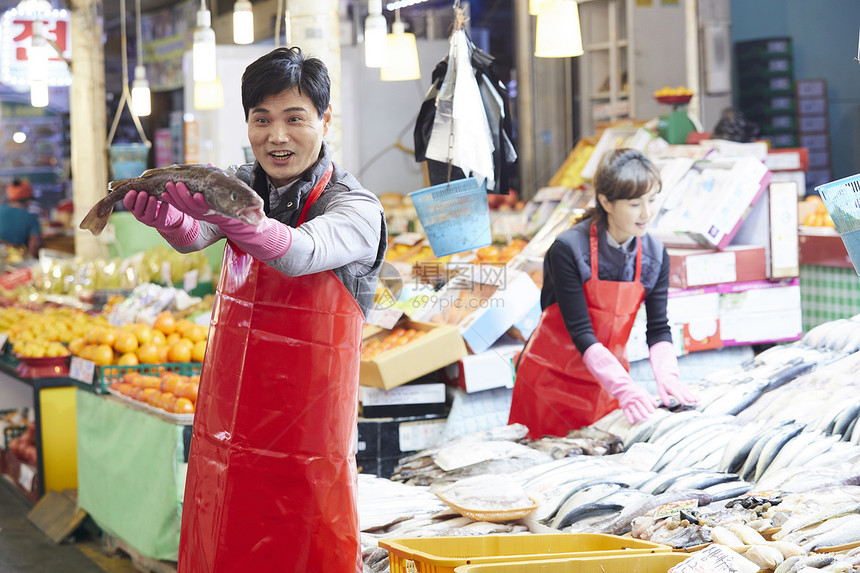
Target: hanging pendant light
{"x": 534, "y": 6}
{"x": 243, "y": 22}
{"x": 375, "y": 35}
{"x": 208, "y": 95}
{"x": 37, "y": 57}
{"x": 401, "y": 62}
{"x": 203, "y": 49}
{"x": 558, "y": 34}
{"x": 141, "y": 99}
{"x": 39, "y": 93}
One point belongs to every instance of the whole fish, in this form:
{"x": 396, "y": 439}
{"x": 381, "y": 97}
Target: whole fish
{"x": 225, "y": 193}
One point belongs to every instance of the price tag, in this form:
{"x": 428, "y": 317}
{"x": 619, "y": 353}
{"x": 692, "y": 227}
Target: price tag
{"x": 82, "y": 370}
{"x": 410, "y": 239}
{"x": 189, "y": 280}
{"x": 27, "y": 477}
{"x": 715, "y": 558}
{"x": 3, "y": 339}
{"x": 166, "y": 274}
{"x": 674, "y": 507}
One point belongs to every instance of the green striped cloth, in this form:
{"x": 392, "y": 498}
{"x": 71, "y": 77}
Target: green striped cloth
{"x": 828, "y": 293}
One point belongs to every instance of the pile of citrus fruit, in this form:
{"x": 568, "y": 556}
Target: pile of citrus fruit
{"x": 170, "y": 391}
{"x": 167, "y": 340}
{"x": 44, "y": 333}
{"x": 395, "y": 339}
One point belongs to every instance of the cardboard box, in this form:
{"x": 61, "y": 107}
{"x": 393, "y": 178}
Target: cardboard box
{"x": 707, "y": 206}
{"x": 693, "y": 318}
{"x": 440, "y": 346}
{"x": 494, "y": 368}
{"x": 788, "y": 159}
{"x": 421, "y": 397}
{"x": 760, "y": 312}
{"x": 395, "y": 437}
{"x": 701, "y": 267}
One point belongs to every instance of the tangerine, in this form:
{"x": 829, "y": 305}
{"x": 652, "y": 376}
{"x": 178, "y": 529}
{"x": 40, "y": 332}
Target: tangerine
{"x": 165, "y": 323}
{"x": 102, "y": 355}
{"x": 158, "y": 337}
{"x": 163, "y": 349}
{"x": 125, "y": 341}
{"x": 148, "y": 353}
{"x": 183, "y": 406}
{"x": 128, "y": 359}
{"x": 198, "y": 351}
{"x": 180, "y": 352}
{"x": 196, "y": 333}
{"x": 143, "y": 333}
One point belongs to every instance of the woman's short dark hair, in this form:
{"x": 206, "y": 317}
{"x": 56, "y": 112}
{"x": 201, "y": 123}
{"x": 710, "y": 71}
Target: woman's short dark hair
{"x": 623, "y": 174}
{"x": 283, "y": 69}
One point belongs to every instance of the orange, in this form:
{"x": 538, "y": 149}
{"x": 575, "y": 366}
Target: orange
{"x": 107, "y": 336}
{"x": 168, "y": 401}
{"x": 164, "y": 323}
{"x": 102, "y": 355}
{"x": 145, "y": 394}
{"x": 128, "y": 359}
{"x": 198, "y": 351}
{"x": 76, "y": 345}
{"x": 182, "y": 325}
{"x": 196, "y": 333}
{"x": 143, "y": 333}
{"x": 158, "y": 337}
{"x": 172, "y": 338}
{"x": 151, "y": 382}
{"x": 148, "y": 353}
{"x": 169, "y": 381}
{"x": 180, "y": 352}
{"x": 183, "y": 406}
{"x": 191, "y": 391}
{"x": 125, "y": 341}
{"x": 163, "y": 349}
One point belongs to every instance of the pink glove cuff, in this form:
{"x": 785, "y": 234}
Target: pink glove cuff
{"x": 636, "y": 403}
{"x": 664, "y": 364}
{"x": 183, "y": 235}
{"x": 266, "y": 242}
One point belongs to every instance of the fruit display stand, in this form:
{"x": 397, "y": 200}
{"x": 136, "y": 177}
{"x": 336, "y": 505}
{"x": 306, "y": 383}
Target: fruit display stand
{"x": 131, "y": 472}
{"x": 53, "y": 401}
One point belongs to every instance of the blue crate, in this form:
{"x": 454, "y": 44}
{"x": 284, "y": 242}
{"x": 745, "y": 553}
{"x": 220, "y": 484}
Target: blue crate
{"x": 455, "y": 215}
{"x": 842, "y": 199}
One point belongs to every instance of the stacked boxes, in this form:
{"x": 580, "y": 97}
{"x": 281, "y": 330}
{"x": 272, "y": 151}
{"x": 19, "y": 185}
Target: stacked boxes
{"x": 814, "y": 131}
{"x": 766, "y": 93}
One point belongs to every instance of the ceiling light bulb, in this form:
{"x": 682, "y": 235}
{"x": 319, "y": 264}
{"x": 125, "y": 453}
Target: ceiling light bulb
{"x": 375, "y": 41}
{"x": 39, "y": 93}
{"x": 243, "y": 22}
{"x": 141, "y": 101}
{"x": 203, "y": 49}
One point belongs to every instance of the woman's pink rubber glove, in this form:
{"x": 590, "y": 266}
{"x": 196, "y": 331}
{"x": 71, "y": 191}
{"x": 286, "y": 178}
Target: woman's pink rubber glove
{"x": 265, "y": 242}
{"x": 636, "y": 403}
{"x": 176, "y": 227}
{"x": 664, "y": 364}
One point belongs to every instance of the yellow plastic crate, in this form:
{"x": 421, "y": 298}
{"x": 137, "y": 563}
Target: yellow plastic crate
{"x": 443, "y": 554}
{"x": 648, "y": 563}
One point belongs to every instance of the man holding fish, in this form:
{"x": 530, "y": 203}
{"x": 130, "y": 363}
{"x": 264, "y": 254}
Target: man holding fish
{"x": 271, "y": 476}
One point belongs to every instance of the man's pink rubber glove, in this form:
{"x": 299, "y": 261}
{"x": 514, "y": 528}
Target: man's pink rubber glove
{"x": 664, "y": 364}
{"x": 265, "y": 242}
{"x": 636, "y": 403}
{"x": 176, "y": 227}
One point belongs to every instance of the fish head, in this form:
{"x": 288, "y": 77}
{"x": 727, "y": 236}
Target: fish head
{"x": 231, "y": 197}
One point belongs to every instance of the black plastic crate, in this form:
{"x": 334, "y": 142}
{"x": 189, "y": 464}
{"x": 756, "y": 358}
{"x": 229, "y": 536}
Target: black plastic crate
{"x": 765, "y": 47}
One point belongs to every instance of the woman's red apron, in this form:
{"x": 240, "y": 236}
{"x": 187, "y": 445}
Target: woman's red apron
{"x": 554, "y": 392}
{"x": 272, "y": 480}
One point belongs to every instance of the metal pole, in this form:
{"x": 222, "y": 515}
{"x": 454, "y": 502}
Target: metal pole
{"x": 525, "y": 99}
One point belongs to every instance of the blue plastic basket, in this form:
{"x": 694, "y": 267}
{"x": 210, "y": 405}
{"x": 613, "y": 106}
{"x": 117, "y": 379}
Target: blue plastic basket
{"x": 455, "y": 215}
{"x": 842, "y": 199}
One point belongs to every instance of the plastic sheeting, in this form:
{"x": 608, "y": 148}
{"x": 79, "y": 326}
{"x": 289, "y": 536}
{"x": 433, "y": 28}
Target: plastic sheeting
{"x": 131, "y": 474}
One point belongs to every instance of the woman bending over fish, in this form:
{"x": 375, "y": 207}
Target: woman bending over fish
{"x": 271, "y": 480}
{"x": 573, "y": 370}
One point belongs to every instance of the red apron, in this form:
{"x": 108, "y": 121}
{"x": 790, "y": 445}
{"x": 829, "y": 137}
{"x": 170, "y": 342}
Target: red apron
{"x": 272, "y": 480}
{"x": 554, "y": 392}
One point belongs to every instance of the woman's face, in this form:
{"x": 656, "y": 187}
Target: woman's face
{"x": 629, "y": 217}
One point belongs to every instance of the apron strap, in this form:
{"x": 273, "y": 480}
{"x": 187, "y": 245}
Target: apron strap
{"x": 314, "y": 195}
{"x": 592, "y": 243}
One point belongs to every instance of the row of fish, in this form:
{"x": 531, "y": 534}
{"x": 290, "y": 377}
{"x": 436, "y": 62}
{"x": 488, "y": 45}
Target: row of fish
{"x": 773, "y": 446}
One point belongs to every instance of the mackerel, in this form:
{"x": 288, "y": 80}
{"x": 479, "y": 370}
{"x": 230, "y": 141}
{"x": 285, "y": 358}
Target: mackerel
{"x": 588, "y": 510}
{"x": 748, "y": 469}
{"x": 739, "y": 447}
{"x": 773, "y": 446}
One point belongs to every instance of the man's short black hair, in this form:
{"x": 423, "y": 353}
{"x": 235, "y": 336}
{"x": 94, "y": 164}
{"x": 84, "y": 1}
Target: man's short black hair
{"x": 283, "y": 69}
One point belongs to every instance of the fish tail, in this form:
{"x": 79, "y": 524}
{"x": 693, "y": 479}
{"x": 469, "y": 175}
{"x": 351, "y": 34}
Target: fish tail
{"x": 97, "y": 218}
